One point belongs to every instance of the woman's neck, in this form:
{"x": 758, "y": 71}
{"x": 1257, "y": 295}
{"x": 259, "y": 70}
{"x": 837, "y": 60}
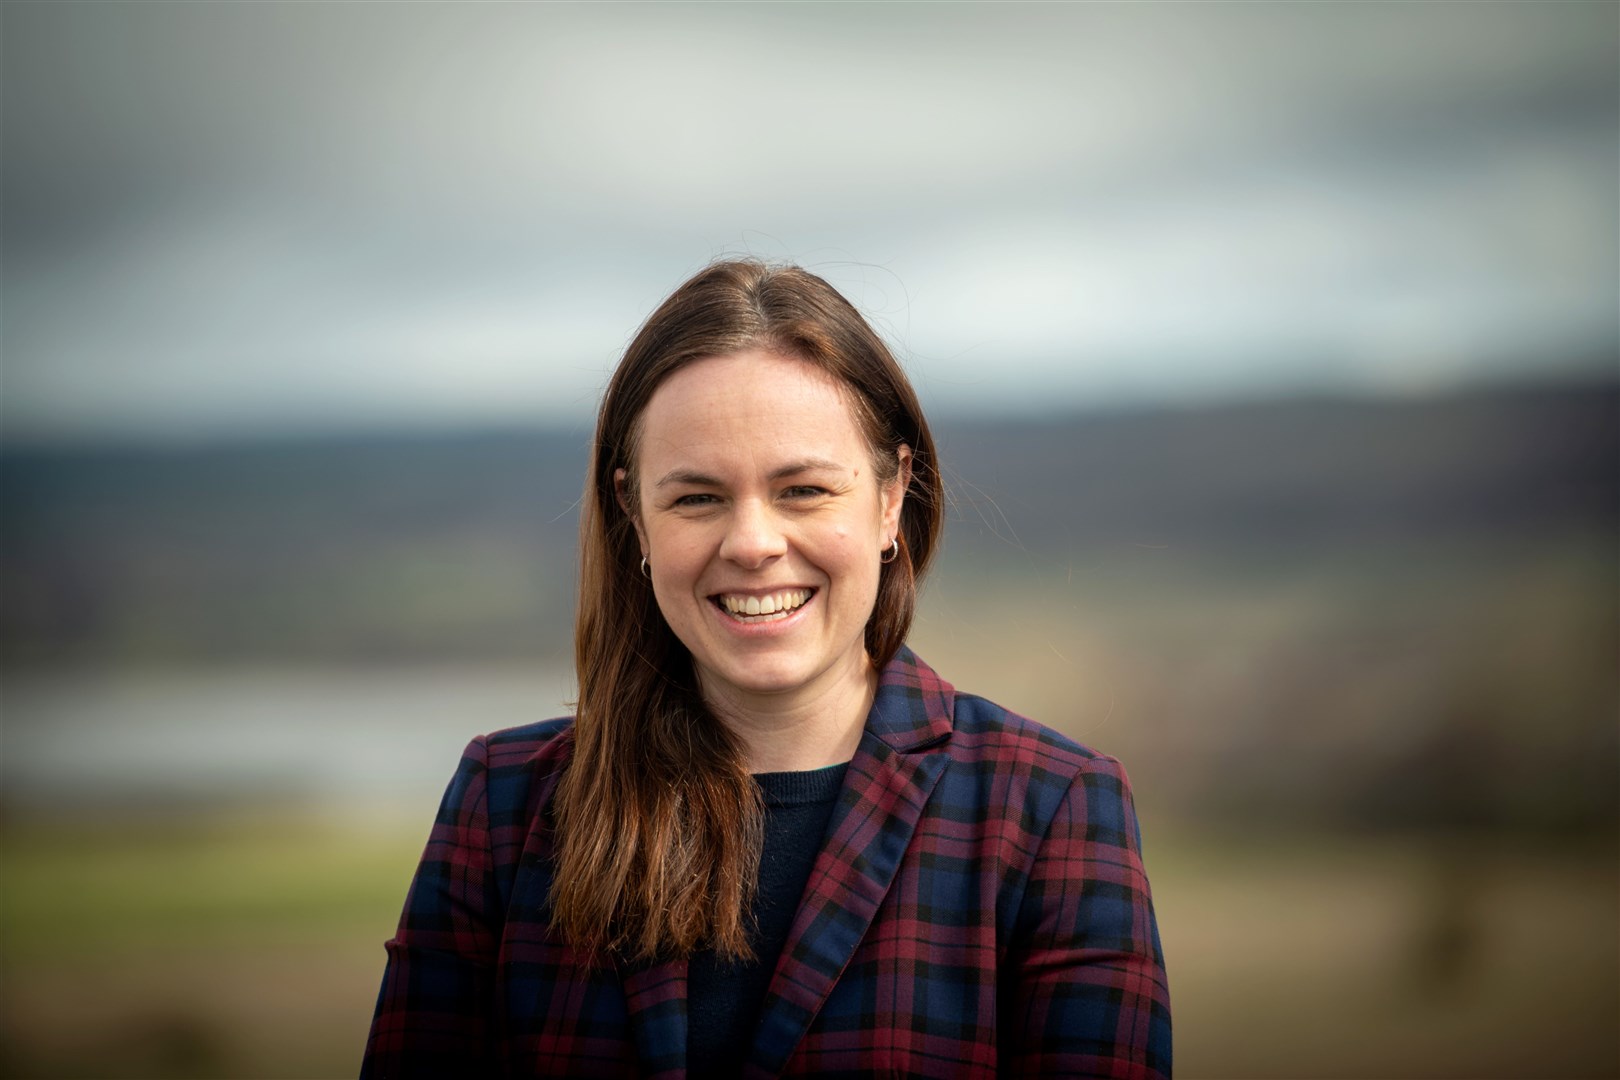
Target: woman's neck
{"x": 809, "y": 729}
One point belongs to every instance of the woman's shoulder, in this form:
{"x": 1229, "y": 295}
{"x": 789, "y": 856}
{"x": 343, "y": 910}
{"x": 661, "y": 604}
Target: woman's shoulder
{"x": 980, "y": 721}
{"x": 1040, "y": 776}
{"x": 505, "y": 773}
{"x": 528, "y": 750}
{"x": 980, "y": 729}
{"x": 530, "y": 737}
{"x": 994, "y": 738}
{"x": 516, "y": 754}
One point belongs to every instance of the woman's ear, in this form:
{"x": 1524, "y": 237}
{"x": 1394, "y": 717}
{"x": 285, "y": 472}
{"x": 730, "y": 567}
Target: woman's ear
{"x": 894, "y": 492}
{"x": 627, "y": 503}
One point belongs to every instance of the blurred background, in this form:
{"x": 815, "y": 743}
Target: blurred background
{"x": 1274, "y": 358}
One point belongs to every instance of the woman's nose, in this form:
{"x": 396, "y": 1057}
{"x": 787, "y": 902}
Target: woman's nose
{"x": 753, "y": 536}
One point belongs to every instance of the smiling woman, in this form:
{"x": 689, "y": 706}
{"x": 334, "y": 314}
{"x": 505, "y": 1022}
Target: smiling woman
{"x": 764, "y": 530}
{"x": 771, "y": 840}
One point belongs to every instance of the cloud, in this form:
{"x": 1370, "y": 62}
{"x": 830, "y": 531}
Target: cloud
{"x": 220, "y": 215}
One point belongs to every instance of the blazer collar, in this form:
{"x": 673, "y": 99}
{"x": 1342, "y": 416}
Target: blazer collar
{"x": 914, "y": 707}
{"x": 885, "y": 790}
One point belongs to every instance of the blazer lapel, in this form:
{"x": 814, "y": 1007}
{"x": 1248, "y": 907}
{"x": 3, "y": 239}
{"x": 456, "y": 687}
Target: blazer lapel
{"x": 885, "y": 790}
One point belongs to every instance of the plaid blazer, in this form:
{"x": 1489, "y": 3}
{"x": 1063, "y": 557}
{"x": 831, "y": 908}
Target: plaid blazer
{"x": 978, "y": 907}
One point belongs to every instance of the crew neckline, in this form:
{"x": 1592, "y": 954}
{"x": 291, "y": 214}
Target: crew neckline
{"x": 802, "y": 788}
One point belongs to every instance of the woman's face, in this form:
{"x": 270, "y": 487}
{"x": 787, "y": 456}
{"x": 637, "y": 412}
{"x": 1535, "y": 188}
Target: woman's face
{"x": 763, "y": 521}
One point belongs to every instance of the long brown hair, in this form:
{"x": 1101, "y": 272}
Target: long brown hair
{"x": 659, "y": 824}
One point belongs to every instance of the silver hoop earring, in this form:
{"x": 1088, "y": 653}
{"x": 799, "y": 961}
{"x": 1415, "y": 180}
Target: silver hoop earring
{"x": 646, "y": 571}
{"x": 892, "y": 554}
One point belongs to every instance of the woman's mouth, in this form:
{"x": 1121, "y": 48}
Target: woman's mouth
{"x": 767, "y": 608}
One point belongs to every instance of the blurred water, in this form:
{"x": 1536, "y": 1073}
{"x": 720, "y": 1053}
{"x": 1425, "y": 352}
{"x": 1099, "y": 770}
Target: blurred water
{"x": 157, "y": 738}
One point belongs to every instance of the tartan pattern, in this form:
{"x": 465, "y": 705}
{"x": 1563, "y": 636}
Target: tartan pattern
{"x": 979, "y": 907}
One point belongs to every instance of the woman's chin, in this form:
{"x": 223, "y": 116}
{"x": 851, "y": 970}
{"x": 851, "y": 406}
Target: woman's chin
{"x": 776, "y": 675}
{"x": 758, "y": 677}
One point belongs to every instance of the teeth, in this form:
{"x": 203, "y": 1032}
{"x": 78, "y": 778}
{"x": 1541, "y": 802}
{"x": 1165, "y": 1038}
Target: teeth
{"x": 783, "y": 602}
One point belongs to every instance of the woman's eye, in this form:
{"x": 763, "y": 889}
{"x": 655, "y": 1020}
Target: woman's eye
{"x": 804, "y": 491}
{"x": 695, "y": 500}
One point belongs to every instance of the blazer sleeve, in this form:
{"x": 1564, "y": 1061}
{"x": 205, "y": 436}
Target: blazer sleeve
{"x": 433, "y": 1012}
{"x": 1086, "y": 993}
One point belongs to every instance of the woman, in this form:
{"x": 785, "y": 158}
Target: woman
{"x": 771, "y": 841}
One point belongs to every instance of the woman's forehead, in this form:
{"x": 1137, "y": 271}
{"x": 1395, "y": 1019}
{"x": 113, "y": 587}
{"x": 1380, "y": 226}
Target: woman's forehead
{"x": 769, "y": 410}
{"x": 756, "y": 370}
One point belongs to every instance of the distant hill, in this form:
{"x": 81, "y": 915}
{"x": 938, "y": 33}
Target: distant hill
{"x": 445, "y": 546}
{"x": 1339, "y": 470}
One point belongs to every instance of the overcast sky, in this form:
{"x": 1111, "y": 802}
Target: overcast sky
{"x": 271, "y": 217}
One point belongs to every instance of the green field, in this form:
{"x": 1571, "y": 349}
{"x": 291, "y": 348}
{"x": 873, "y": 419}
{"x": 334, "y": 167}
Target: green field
{"x": 251, "y": 947}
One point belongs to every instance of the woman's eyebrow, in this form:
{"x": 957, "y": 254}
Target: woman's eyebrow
{"x": 782, "y": 472}
{"x": 687, "y": 476}
{"x": 804, "y": 466}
